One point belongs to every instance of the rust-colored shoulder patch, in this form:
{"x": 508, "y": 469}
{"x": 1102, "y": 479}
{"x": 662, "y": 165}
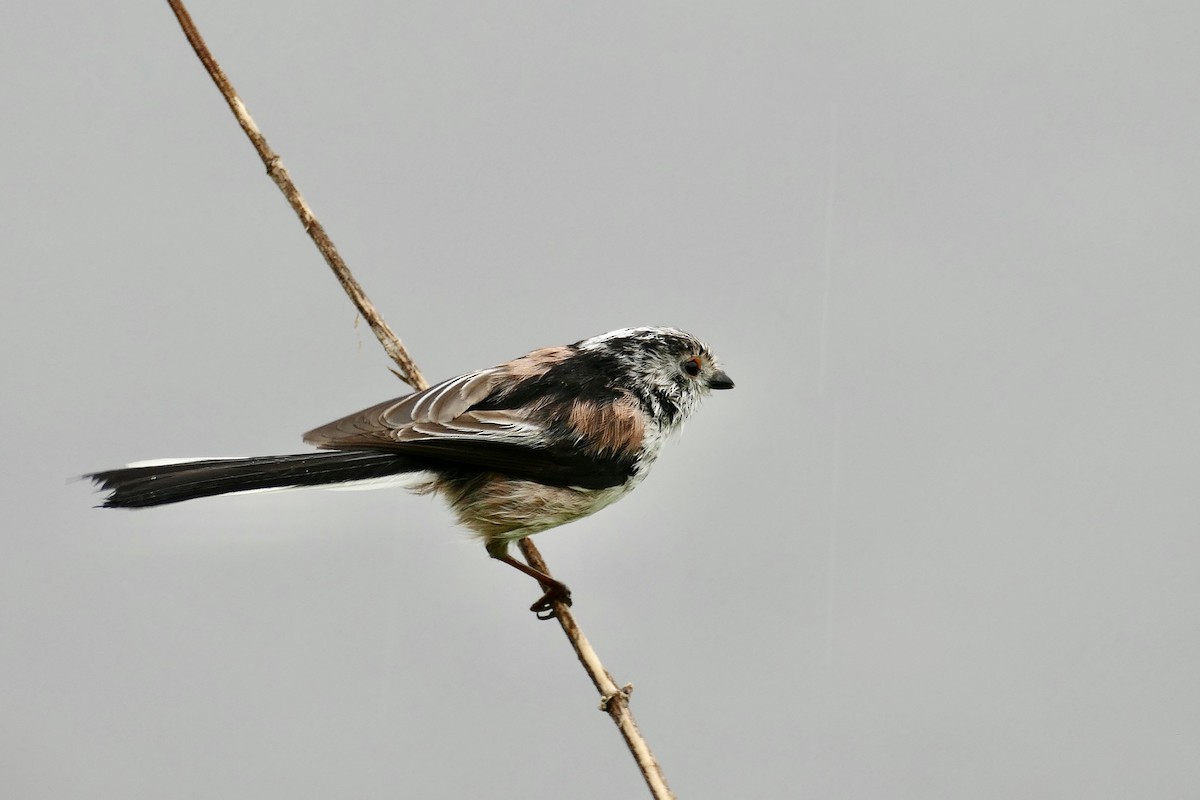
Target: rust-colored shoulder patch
{"x": 615, "y": 427}
{"x": 531, "y": 365}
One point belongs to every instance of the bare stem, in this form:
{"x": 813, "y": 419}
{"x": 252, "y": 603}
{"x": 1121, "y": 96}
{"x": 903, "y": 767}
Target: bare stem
{"x": 614, "y": 700}
{"x": 408, "y": 371}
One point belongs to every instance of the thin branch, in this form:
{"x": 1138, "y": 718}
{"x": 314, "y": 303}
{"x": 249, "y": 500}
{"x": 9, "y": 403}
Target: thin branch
{"x": 614, "y": 701}
{"x": 396, "y": 351}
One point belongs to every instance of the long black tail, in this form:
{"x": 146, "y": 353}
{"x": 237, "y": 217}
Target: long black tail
{"x": 138, "y": 487}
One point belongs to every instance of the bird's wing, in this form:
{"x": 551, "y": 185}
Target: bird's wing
{"x": 441, "y": 423}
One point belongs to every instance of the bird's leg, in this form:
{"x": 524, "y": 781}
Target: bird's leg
{"x": 555, "y": 590}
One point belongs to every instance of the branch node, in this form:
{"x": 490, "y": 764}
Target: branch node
{"x": 607, "y": 700}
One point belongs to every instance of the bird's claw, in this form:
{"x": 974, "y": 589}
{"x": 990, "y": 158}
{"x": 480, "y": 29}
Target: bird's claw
{"x": 544, "y": 607}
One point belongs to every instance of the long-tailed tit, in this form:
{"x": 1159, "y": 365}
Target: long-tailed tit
{"x": 528, "y": 445}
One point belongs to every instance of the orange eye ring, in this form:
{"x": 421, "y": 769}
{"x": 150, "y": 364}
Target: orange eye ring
{"x": 693, "y": 366}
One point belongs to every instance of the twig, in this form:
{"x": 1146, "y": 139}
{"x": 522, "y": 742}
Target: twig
{"x": 408, "y": 371}
{"x": 614, "y": 700}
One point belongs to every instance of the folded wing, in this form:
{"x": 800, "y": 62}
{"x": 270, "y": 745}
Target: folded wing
{"x": 442, "y": 423}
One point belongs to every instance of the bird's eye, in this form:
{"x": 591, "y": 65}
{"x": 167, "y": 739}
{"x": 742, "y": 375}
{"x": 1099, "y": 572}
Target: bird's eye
{"x": 692, "y": 366}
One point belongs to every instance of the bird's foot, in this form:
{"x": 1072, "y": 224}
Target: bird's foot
{"x": 556, "y": 593}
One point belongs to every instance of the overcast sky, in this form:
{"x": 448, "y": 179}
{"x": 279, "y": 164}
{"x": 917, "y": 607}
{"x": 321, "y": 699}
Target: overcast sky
{"x": 941, "y": 541}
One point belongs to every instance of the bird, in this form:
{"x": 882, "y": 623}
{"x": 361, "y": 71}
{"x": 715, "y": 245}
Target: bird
{"x": 536, "y": 442}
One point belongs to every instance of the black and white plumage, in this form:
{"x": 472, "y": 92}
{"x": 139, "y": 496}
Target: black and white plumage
{"x": 534, "y": 443}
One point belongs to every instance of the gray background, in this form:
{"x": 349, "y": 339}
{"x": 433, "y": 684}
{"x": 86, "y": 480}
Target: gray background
{"x": 941, "y": 541}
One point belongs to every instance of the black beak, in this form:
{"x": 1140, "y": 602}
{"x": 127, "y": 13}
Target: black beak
{"x": 720, "y": 380}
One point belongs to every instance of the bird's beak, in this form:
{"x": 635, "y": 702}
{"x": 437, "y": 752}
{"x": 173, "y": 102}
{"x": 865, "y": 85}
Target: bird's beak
{"x": 720, "y": 380}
